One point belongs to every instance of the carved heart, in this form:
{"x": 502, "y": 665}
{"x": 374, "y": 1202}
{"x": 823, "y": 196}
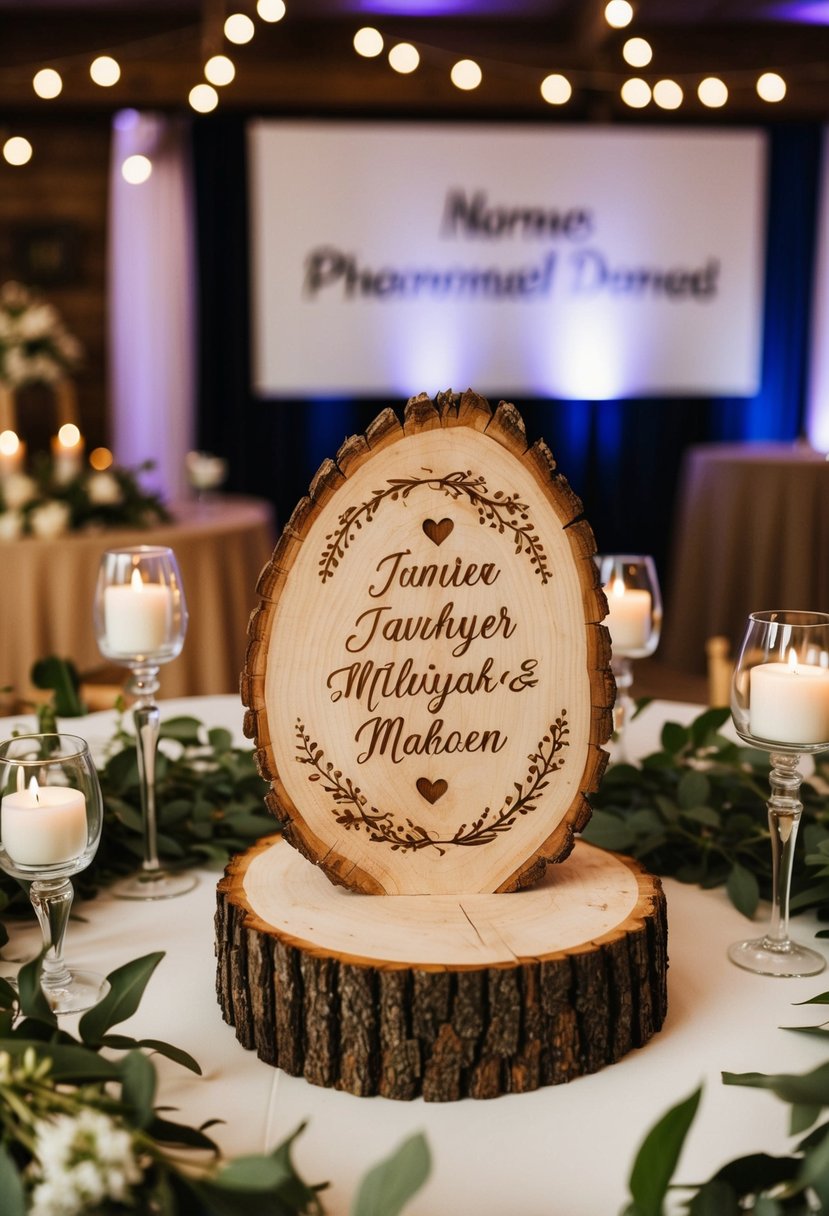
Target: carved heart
{"x": 437, "y": 531}
{"x": 431, "y": 790}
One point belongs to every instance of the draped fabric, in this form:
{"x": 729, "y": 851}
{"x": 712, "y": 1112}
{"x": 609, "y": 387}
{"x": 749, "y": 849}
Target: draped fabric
{"x": 622, "y": 457}
{"x": 151, "y": 299}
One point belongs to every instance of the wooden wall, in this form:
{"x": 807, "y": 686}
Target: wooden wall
{"x": 57, "y": 204}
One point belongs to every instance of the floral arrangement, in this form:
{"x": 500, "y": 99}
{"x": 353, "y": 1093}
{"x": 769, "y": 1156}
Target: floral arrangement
{"x": 35, "y": 346}
{"x": 47, "y": 505}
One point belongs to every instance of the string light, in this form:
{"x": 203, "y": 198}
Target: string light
{"x": 368, "y": 42}
{"x": 618, "y": 14}
{"x": 271, "y": 10}
{"x": 466, "y": 75}
{"x": 47, "y": 83}
{"x": 136, "y": 169}
{"x": 203, "y": 98}
{"x": 712, "y": 92}
{"x": 100, "y": 459}
{"x": 404, "y": 58}
{"x": 17, "y": 150}
{"x": 556, "y": 90}
{"x": 9, "y": 443}
{"x": 105, "y": 71}
{"x": 771, "y": 87}
{"x": 219, "y": 70}
{"x": 637, "y": 52}
{"x": 239, "y": 28}
{"x": 636, "y": 93}
{"x": 668, "y": 94}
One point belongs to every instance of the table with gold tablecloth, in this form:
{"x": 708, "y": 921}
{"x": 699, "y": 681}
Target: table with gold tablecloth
{"x": 752, "y": 532}
{"x": 48, "y": 589}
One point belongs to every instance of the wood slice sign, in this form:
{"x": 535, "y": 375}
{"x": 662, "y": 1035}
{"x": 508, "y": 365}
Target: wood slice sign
{"x": 427, "y": 676}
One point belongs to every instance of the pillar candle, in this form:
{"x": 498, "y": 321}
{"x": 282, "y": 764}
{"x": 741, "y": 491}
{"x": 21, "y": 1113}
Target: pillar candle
{"x": 629, "y": 616}
{"x": 789, "y": 702}
{"x": 43, "y": 825}
{"x": 137, "y": 616}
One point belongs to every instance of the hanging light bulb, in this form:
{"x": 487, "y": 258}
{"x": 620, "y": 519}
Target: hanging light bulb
{"x": 203, "y": 98}
{"x": 47, "y": 83}
{"x": 239, "y": 28}
{"x": 466, "y": 74}
{"x": 136, "y": 169}
{"x": 712, "y": 92}
{"x": 771, "y": 87}
{"x": 668, "y": 94}
{"x": 404, "y": 58}
{"x": 17, "y": 150}
{"x": 219, "y": 70}
{"x": 618, "y": 14}
{"x": 556, "y": 90}
{"x": 636, "y": 93}
{"x": 637, "y": 52}
{"x": 271, "y": 10}
{"x": 105, "y": 71}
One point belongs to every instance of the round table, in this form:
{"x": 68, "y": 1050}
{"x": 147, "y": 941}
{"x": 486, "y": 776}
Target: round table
{"x": 48, "y": 588}
{"x": 752, "y": 532}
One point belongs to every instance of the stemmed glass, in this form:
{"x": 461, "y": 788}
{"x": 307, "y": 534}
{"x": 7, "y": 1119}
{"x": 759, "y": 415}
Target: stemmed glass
{"x": 140, "y": 621}
{"x": 51, "y": 814}
{"x": 634, "y": 620}
{"x": 780, "y": 703}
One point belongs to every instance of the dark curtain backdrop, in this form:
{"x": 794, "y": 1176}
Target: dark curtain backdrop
{"x": 622, "y": 457}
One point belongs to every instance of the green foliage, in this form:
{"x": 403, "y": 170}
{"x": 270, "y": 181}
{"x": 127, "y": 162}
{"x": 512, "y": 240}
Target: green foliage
{"x": 696, "y": 810}
{"x": 658, "y": 1157}
{"x": 388, "y": 1187}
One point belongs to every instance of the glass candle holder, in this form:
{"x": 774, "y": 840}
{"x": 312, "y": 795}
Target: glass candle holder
{"x": 780, "y": 703}
{"x": 51, "y": 813}
{"x": 140, "y": 621}
{"x": 634, "y": 620}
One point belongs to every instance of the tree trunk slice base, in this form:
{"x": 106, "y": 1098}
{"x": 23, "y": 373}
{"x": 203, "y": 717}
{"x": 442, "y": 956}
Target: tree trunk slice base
{"x": 441, "y": 997}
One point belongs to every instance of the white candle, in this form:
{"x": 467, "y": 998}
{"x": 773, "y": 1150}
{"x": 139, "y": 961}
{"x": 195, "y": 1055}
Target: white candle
{"x": 67, "y": 453}
{"x": 12, "y": 453}
{"x": 43, "y": 825}
{"x": 629, "y": 616}
{"x": 137, "y": 616}
{"x": 789, "y": 702}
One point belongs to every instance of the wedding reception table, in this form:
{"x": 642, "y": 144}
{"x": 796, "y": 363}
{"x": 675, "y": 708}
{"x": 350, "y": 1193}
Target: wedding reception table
{"x": 559, "y": 1151}
{"x": 221, "y": 546}
{"x": 751, "y": 520}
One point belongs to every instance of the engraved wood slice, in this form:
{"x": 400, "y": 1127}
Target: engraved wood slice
{"x": 444, "y": 997}
{"x": 427, "y": 677}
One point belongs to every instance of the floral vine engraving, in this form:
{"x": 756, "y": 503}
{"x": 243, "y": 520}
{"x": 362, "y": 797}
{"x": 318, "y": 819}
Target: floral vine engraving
{"x": 499, "y": 510}
{"x": 354, "y": 813}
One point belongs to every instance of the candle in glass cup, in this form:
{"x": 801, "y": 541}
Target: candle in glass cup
{"x": 629, "y": 616}
{"x": 137, "y": 616}
{"x": 43, "y": 825}
{"x": 789, "y": 702}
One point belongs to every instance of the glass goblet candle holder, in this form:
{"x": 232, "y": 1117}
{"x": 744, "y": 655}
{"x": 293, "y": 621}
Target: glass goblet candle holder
{"x": 51, "y": 813}
{"x": 634, "y": 621}
{"x": 140, "y": 621}
{"x": 780, "y": 703}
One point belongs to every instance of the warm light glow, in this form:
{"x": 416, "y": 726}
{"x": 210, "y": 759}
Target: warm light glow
{"x": 668, "y": 94}
{"x": 712, "y": 92}
{"x": 100, "y": 459}
{"x": 466, "y": 74}
{"x": 239, "y": 28}
{"x": 9, "y": 443}
{"x": 105, "y": 71}
{"x": 771, "y": 87}
{"x": 34, "y": 788}
{"x": 271, "y": 10}
{"x": 136, "y": 169}
{"x": 792, "y": 660}
{"x": 47, "y": 83}
{"x": 368, "y": 42}
{"x": 556, "y": 90}
{"x": 404, "y": 57}
{"x": 636, "y": 93}
{"x": 135, "y": 581}
{"x": 219, "y": 69}
{"x": 69, "y": 436}
{"x": 17, "y": 150}
{"x": 618, "y": 13}
{"x": 637, "y": 52}
{"x": 617, "y": 587}
{"x": 203, "y": 98}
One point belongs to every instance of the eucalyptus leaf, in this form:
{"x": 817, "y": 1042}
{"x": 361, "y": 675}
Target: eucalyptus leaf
{"x": 675, "y": 737}
{"x": 658, "y": 1155}
{"x": 32, "y": 1001}
{"x": 127, "y": 986}
{"x": 123, "y": 1042}
{"x": 388, "y": 1187}
{"x": 743, "y": 890}
{"x": 70, "y": 1063}
{"x": 138, "y": 1086}
{"x": 715, "y": 1198}
{"x": 11, "y": 1185}
{"x": 808, "y": 1089}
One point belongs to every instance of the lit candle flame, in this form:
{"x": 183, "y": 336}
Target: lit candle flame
{"x": 617, "y": 587}
{"x": 34, "y": 788}
{"x": 793, "y": 661}
{"x": 136, "y": 581}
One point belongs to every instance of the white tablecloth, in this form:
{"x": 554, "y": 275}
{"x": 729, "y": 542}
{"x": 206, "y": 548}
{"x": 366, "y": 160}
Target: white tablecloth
{"x": 561, "y": 1151}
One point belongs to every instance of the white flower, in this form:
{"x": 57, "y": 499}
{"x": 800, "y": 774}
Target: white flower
{"x": 50, "y": 520}
{"x": 81, "y": 1162}
{"x": 11, "y": 525}
{"x": 18, "y": 489}
{"x": 103, "y": 490}
{"x": 34, "y": 344}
